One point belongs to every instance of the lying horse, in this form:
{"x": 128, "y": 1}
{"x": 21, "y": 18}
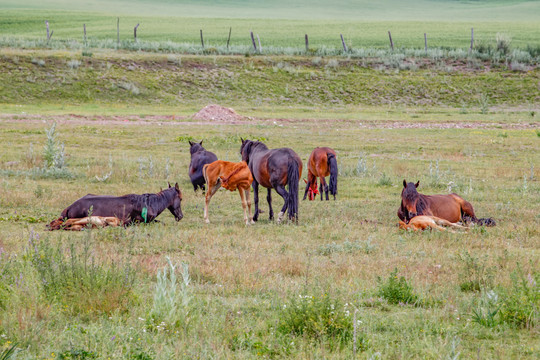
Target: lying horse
{"x": 86, "y": 222}
{"x": 423, "y": 222}
{"x": 449, "y": 207}
{"x": 273, "y": 169}
{"x": 199, "y": 158}
{"x": 231, "y": 176}
{"x": 130, "y": 208}
{"x": 322, "y": 162}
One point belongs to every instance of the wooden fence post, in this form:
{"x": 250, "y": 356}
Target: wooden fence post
{"x": 117, "y": 32}
{"x": 472, "y": 39}
{"x": 48, "y": 35}
{"x": 84, "y": 32}
{"x": 425, "y": 42}
{"x": 135, "y": 32}
{"x": 343, "y": 43}
{"x": 253, "y": 41}
{"x": 391, "y": 42}
{"x": 307, "y": 43}
{"x": 229, "y": 38}
{"x": 202, "y": 40}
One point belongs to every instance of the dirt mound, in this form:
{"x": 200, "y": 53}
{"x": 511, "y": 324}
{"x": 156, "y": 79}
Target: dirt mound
{"x": 217, "y": 113}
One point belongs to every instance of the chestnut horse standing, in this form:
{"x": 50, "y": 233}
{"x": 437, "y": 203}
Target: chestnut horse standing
{"x": 199, "y": 158}
{"x": 273, "y": 168}
{"x": 322, "y": 162}
{"x": 449, "y": 207}
{"x": 231, "y": 176}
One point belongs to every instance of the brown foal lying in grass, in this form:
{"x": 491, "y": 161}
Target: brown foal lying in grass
{"x": 423, "y": 222}
{"x": 78, "y": 224}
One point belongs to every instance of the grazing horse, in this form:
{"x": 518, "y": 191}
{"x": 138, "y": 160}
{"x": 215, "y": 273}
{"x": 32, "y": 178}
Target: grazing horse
{"x": 86, "y": 222}
{"x": 199, "y": 158}
{"x": 449, "y": 207}
{"x": 131, "y": 208}
{"x": 322, "y": 162}
{"x": 232, "y": 176}
{"x": 423, "y": 222}
{"x": 273, "y": 169}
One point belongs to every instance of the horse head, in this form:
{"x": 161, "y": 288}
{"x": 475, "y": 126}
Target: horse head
{"x": 409, "y": 198}
{"x": 195, "y": 147}
{"x": 176, "y": 204}
{"x": 245, "y": 149}
{"x": 312, "y": 190}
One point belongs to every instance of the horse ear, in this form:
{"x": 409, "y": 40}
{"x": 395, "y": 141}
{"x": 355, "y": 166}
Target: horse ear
{"x": 417, "y": 183}
{"x": 169, "y": 184}
{"x": 176, "y": 187}
{"x": 201, "y": 142}
{"x": 191, "y": 143}
{"x": 242, "y": 140}
{"x": 404, "y": 183}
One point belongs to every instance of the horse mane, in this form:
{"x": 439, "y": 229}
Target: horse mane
{"x": 157, "y": 202}
{"x": 421, "y": 204}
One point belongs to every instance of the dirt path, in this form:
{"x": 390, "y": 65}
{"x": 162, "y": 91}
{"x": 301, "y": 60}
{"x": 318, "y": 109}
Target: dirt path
{"x": 174, "y": 120}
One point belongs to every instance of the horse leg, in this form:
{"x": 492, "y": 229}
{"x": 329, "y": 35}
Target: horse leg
{"x": 248, "y": 205}
{"x": 321, "y": 189}
{"x": 325, "y": 187}
{"x": 255, "y": 185}
{"x": 285, "y": 195}
{"x": 212, "y": 188}
{"x": 244, "y": 204}
{"x": 269, "y": 199}
{"x": 310, "y": 179}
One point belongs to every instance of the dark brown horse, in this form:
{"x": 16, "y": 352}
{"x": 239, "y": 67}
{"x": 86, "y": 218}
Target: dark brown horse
{"x": 199, "y": 158}
{"x": 273, "y": 169}
{"x": 322, "y": 162}
{"x": 131, "y": 208}
{"x": 451, "y": 207}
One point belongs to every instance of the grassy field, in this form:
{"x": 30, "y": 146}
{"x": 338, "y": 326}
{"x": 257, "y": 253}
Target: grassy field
{"x": 363, "y": 24}
{"x": 274, "y": 291}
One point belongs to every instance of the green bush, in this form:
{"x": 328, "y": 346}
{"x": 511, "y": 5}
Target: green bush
{"x": 319, "y": 318}
{"x": 397, "y": 290}
{"x": 521, "y": 302}
{"x": 72, "y": 278}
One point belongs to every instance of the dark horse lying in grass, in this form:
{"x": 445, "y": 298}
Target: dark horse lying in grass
{"x": 130, "y": 208}
{"x": 273, "y": 169}
{"x": 322, "y": 162}
{"x": 449, "y": 207}
{"x": 199, "y": 158}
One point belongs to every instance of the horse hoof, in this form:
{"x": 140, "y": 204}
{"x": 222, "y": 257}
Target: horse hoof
{"x": 280, "y": 217}
{"x": 252, "y": 222}
{"x": 207, "y": 221}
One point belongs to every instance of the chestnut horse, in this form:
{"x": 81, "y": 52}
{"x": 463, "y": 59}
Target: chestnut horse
{"x": 199, "y": 158}
{"x": 231, "y": 176}
{"x": 273, "y": 168}
{"x": 449, "y": 207}
{"x": 423, "y": 222}
{"x": 131, "y": 208}
{"x": 322, "y": 162}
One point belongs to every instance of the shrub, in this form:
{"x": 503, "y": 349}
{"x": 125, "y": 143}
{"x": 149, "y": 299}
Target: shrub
{"x": 53, "y": 152}
{"x": 486, "y": 308}
{"x": 475, "y": 274}
{"x": 521, "y": 303}
{"x": 319, "y": 318}
{"x": 503, "y": 43}
{"x": 72, "y": 278}
{"x": 397, "y": 290}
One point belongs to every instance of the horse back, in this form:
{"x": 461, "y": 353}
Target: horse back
{"x": 446, "y": 207}
{"x": 318, "y": 161}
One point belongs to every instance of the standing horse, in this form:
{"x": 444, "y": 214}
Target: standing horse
{"x": 131, "y": 208}
{"x": 273, "y": 169}
{"x": 322, "y": 162}
{"x": 449, "y": 207}
{"x": 199, "y": 158}
{"x": 231, "y": 176}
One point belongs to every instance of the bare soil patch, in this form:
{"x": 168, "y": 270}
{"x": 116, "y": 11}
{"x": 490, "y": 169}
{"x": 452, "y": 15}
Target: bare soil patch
{"x": 215, "y": 112}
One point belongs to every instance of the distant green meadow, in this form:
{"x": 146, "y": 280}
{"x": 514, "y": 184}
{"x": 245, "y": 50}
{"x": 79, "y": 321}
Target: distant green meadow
{"x": 363, "y": 24}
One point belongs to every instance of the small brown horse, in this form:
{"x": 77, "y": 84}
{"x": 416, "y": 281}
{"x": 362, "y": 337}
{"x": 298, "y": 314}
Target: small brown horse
{"x": 423, "y": 222}
{"x": 449, "y": 207}
{"x": 322, "y": 162}
{"x": 273, "y": 169}
{"x": 231, "y": 176}
{"x": 78, "y": 224}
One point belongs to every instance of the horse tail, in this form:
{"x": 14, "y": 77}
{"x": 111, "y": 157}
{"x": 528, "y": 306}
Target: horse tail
{"x": 486, "y": 221}
{"x": 293, "y": 177}
{"x": 204, "y": 173}
{"x": 467, "y": 213}
{"x": 332, "y": 164}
